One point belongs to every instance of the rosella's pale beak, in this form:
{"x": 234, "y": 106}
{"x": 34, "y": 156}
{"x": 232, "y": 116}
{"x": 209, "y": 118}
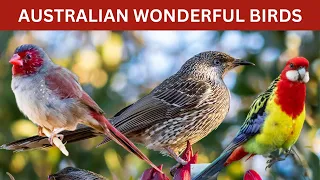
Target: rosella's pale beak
{"x": 302, "y": 72}
{"x": 303, "y": 75}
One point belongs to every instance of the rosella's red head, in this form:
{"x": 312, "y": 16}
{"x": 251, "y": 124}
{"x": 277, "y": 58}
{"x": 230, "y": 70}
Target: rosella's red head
{"x": 291, "y": 90}
{"x": 27, "y": 59}
{"x": 296, "y": 70}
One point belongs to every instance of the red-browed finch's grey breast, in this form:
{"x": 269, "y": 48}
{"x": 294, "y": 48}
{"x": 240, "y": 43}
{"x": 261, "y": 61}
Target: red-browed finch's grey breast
{"x": 51, "y": 97}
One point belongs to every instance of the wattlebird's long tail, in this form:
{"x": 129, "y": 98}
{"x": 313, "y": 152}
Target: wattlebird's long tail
{"x": 40, "y": 142}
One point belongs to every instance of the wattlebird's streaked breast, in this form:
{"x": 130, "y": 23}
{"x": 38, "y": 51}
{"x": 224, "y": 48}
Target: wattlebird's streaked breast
{"x": 195, "y": 109}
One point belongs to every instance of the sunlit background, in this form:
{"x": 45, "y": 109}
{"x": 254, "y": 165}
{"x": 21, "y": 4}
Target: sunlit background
{"x": 117, "y": 68}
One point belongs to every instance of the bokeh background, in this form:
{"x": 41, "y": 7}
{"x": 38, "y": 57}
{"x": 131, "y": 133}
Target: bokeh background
{"x": 116, "y": 68}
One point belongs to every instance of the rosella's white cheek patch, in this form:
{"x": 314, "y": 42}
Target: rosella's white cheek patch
{"x": 306, "y": 77}
{"x": 292, "y": 75}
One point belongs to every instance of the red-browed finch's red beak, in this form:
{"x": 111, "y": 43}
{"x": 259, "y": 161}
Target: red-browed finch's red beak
{"x": 16, "y": 60}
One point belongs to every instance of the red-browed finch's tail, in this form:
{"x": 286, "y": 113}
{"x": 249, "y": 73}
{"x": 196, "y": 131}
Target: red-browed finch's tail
{"x": 123, "y": 141}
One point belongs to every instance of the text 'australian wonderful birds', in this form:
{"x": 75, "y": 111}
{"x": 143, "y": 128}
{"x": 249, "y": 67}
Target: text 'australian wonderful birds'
{"x": 159, "y": 15}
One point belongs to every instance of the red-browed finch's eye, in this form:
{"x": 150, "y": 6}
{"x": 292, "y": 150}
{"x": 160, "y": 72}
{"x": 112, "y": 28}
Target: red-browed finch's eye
{"x": 28, "y": 56}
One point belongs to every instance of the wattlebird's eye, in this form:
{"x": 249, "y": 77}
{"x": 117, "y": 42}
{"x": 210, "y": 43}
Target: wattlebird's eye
{"x": 217, "y": 62}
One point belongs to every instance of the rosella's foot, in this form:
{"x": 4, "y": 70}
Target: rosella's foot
{"x": 273, "y": 160}
{"x": 288, "y": 152}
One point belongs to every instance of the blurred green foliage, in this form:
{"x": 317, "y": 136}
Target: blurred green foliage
{"x": 116, "y": 68}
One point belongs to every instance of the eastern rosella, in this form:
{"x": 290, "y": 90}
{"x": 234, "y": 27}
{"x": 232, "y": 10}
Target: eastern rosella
{"x": 274, "y": 121}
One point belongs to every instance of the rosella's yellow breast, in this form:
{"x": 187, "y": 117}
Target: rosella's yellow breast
{"x": 279, "y": 130}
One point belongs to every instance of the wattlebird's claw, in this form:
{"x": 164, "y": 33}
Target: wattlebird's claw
{"x": 180, "y": 163}
{"x": 179, "y": 171}
{"x": 174, "y": 168}
{"x": 153, "y": 174}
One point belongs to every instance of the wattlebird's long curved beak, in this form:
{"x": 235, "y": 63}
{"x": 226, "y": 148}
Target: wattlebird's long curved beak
{"x": 239, "y": 62}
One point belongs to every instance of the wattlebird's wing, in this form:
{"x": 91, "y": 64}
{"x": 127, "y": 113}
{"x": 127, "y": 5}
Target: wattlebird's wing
{"x": 249, "y": 128}
{"x": 169, "y": 100}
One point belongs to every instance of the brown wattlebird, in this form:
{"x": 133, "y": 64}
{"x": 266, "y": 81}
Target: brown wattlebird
{"x": 185, "y": 107}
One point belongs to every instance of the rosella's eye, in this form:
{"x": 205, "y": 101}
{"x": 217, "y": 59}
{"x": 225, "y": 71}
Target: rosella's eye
{"x": 217, "y": 62}
{"x": 28, "y": 56}
{"x": 291, "y": 66}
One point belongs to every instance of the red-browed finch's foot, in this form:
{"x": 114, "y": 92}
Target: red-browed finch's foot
{"x": 53, "y": 135}
{"x": 40, "y": 131}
